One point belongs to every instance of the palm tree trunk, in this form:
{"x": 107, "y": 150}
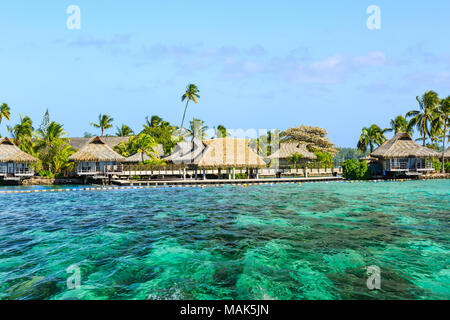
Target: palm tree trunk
{"x": 102, "y": 131}
{"x": 443, "y": 147}
{"x": 184, "y": 114}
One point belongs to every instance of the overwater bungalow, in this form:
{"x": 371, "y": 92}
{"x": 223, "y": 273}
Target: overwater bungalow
{"x": 142, "y": 156}
{"x": 96, "y": 159}
{"x": 287, "y": 149}
{"x": 186, "y": 152}
{"x": 214, "y": 155}
{"x": 14, "y": 163}
{"x": 402, "y": 155}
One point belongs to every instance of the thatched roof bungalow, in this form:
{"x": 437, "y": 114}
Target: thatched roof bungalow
{"x": 187, "y": 152}
{"x": 78, "y": 143}
{"x": 142, "y": 156}
{"x": 13, "y": 161}
{"x": 288, "y": 149}
{"x": 403, "y": 154}
{"x": 95, "y": 158}
{"x": 447, "y": 154}
{"x": 229, "y": 153}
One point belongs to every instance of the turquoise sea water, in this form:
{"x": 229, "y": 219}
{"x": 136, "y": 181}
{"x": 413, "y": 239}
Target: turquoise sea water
{"x": 313, "y": 241}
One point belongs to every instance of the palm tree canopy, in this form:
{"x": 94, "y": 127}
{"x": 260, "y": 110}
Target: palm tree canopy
{"x": 192, "y": 93}
{"x": 104, "y": 122}
{"x": 370, "y": 137}
{"x": 198, "y": 129}
{"x": 5, "y": 112}
{"x": 423, "y": 117}
{"x": 124, "y": 131}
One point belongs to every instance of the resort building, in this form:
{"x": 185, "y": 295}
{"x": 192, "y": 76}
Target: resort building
{"x": 187, "y": 152}
{"x": 447, "y": 155}
{"x": 218, "y": 157}
{"x": 142, "y": 156}
{"x": 402, "y": 155}
{"x": 287, "y": 149}
{"x": 97, "y": 160}
{"x": 14, "y": 163}
{"x": 78, "y": 143}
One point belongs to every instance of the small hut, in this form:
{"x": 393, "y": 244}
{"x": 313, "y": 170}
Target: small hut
{"x": 14, "y": 163}
{"x": 231, "y": 154}
{"x": 287, "y": 149}
{"x": 142, "y": 156}
{"x": 403, "y": 155}
{"x": 96, "y": 158}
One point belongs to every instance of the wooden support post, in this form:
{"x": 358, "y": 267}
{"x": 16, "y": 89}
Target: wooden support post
{"x": 234, "y": 173}
{"x": 204, "y": 174}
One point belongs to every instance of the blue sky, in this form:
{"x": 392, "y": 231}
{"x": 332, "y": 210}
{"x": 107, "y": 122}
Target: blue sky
{"x": 258, "y": 64}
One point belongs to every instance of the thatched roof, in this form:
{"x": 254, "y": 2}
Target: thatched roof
{"x": 188, "y": 152}
{"x": 447, "y": 153}
{"x": 402, "y": 146}
{"x": 10, "y": 153}
{"x": 287, "y": 149}
{"x": 137, "y": 157}
{"x": 96, "y": 150}
{"x": 229, "y": 153}
{"x": 78, "y": 143}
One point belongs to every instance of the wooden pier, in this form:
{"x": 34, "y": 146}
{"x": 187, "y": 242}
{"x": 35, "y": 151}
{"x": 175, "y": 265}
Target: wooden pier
{"x": 217, "y": 182}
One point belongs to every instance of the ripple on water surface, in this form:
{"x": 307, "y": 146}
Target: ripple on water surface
{"x": 261, "y": 242}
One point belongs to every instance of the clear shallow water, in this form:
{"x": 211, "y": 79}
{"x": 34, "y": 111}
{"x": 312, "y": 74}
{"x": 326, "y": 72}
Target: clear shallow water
{"x": 261, "y": 242}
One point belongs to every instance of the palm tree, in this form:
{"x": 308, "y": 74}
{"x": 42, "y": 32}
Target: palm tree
{"x": 104, "y": 122}
{"x": 295, "y": 158}
{"x": 198, "y": 129}
{"x": 124, "y": 131}
{"x": 5, "y": 112}
{"x": 49, "y": 142}
{"x": 162, "y": 131}
{"x": 370, "y": 137}
{"x": 441, "y": 123}
{"x": 145, "y": 144}
{"x": 192, "y": 93}
{"x": 221, "y": 131}
{"x": 400, "y": 124}
{"x": 423, "y": 117}
{"x": 22, "y": 131}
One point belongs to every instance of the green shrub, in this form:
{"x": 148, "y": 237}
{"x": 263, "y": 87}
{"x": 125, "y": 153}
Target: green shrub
{"x": 437, "y": 165}
{"x": 447, "y": 167}
{"x": 135, "y": 177}
{"x": 355, "y": 170}
{"x": 45, "y": 173}
{"x": 241, "y": 176}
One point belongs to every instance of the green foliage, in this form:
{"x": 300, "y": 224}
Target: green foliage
{"x": 346, "y": 154}
{"x": 447, "y": 167}
{"x": 136, "y": 177}
{"x": 241, "y": 176}
{"x": 295, "y": 158}
{"x": 325, "y": 158}
{"x": 437, "y": 165}
{"x": 162, "y": 131}
{"x": 142, "y": 143}
{"x": 191, "y": 93}
{"x": 46, "y": 173}
{"x": 355, "y": 170}
{"x": 124, "y": 131}
{"x": 371, "y": 137}
{"x": 104, "y": 122}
